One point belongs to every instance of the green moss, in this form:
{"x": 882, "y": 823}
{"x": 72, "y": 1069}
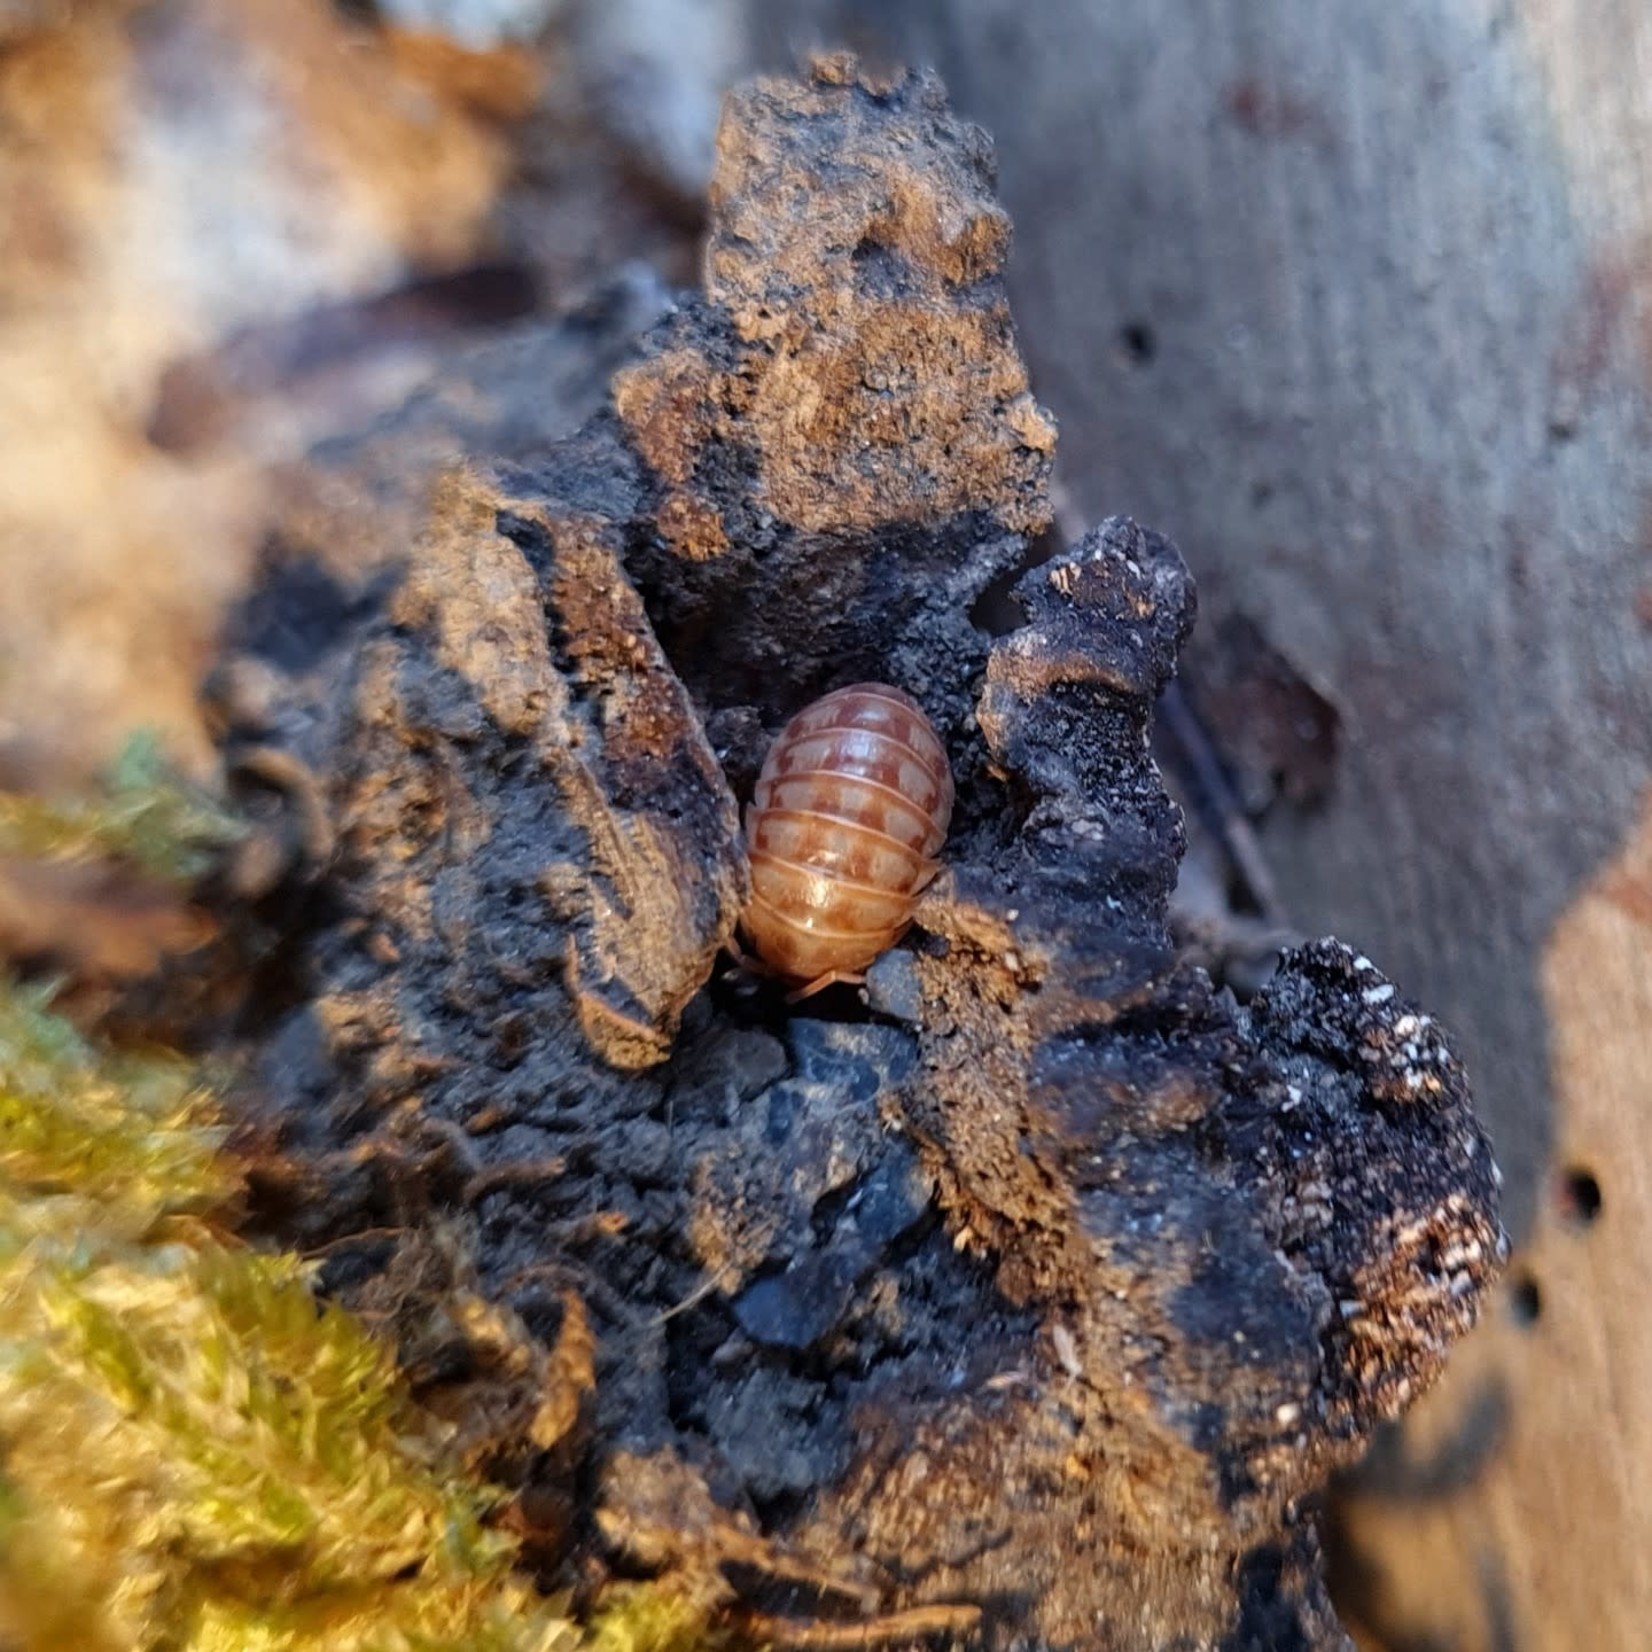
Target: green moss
{"x": 143, "y": 813}
{"x": 196, "y": 1454}
{"x": 642, "y": 1617}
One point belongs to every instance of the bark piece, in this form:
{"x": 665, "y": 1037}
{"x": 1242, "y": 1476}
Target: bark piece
{"x": 1040, "y": 1302}
{"x": 516, "y": 737}
{"x": 1247, "y": 1236}
{"x": 853, "y": 431}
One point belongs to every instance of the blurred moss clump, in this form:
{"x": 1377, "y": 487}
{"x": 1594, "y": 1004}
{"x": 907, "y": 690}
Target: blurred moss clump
{"x": 196, "y": 1454}
{"x": 144, "y": 814}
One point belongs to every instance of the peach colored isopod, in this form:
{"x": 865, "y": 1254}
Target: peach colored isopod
{"x": 850, "y": 809}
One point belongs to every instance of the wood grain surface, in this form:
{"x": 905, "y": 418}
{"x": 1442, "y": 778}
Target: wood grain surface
{"x": 1355, "y": 301}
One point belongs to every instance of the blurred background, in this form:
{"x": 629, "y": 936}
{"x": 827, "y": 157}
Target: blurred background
{"x": 1354, "y": 301}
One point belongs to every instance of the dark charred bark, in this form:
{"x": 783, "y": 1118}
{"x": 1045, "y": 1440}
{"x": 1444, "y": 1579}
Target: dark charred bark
{"x": 1037, "y": 1293}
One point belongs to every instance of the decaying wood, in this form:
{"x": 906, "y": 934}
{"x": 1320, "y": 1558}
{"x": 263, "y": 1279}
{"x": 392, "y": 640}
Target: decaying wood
{"x": 1356, "y": 302}
{"x": 1050, "y": 1290}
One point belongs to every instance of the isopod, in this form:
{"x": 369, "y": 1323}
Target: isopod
{"x": 850, "y": 809}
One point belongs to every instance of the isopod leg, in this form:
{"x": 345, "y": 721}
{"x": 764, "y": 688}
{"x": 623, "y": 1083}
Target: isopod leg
{"x": 746, "y": 963}
{"x": 832, "y": 978}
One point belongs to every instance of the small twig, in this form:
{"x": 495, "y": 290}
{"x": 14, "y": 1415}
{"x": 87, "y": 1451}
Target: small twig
{"x": 578, "y": 1230}
{"x": 492, "y": 1117}
{"x": 520, "y": 1173}
{"x": 363, "y": 1236}
{"x": 1233, "y": 829}
{"x": 818, "y": 1635}
{"x": 698, "y": 1294}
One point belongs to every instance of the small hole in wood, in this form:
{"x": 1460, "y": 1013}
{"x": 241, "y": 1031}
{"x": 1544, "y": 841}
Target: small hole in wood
{"x": 1137, "y": 341}
{"x": 1525, "y": 1299}
{"x": 1579, "y": 1197}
